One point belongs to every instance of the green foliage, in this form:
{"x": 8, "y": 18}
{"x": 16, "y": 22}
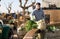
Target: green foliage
{"x": 51, "y": 28}
{"x": 30, "y": 25}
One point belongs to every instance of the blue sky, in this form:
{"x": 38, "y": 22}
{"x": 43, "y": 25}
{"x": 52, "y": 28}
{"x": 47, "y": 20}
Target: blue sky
{"x": 15, "y": 5}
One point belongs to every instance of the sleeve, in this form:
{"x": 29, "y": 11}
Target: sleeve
{"x": 43, "y": 15}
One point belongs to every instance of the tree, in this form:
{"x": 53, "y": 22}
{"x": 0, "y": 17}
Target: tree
{"x": 25, "y": 7}
{"x": 9, "y": 7}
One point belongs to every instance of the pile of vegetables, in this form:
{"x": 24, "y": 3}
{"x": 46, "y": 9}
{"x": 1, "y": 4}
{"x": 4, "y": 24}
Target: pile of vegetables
{"x": 30, "y": 25}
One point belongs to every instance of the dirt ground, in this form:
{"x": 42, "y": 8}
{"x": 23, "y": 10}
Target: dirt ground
{"x": 51, "y": 35}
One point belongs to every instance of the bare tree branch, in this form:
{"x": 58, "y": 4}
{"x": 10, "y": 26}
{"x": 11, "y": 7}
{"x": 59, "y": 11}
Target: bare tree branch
{"x": 20, "y": 0}
{"x": 25, "y": 3}
{"x": 21, "y": 3}
{"x": 31, "y": 4}
{"x": 9, "y": 7}
{"x": 24, "y": 7}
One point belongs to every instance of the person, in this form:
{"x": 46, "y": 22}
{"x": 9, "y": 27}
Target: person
{"x": 39, "y": 17}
